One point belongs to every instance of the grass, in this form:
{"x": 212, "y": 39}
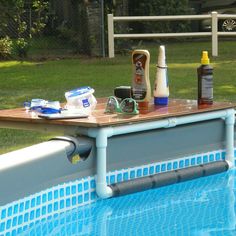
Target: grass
{"x": 22, "y": 81}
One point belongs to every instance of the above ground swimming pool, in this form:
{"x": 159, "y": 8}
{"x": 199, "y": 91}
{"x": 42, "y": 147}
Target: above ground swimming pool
{"x": 47, "y": 190}
{"x": 205, "y": 206}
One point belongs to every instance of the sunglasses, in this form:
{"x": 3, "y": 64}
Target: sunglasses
{"x": 127, "y": 106}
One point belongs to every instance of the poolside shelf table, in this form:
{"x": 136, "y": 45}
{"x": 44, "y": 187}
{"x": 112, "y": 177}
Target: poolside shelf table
{"x": 22, "y": 119}
{"x": 102, "y": 126}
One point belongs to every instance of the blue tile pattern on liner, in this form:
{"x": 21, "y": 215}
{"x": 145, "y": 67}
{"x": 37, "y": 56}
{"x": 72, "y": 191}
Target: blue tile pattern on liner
{"x": 18, "y": 216}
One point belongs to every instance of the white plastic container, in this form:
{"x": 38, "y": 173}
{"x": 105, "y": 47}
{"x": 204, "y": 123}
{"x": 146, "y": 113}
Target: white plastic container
{"x": 161, "y": 86}
{"x": 81, "y": 100}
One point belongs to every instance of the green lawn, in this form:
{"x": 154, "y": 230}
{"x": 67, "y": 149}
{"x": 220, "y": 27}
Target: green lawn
{"x": 22, "y": 81}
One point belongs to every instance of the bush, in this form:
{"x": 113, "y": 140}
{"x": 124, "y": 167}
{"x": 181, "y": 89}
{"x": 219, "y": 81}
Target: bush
{"x": 21, "y": 47}
{"x": 70, "y": 36}
{"x": 159, "y": 8}
{"x": 5, "y": 48}
{"x": 15, "y": 11}
{"x": 76, "y": 32}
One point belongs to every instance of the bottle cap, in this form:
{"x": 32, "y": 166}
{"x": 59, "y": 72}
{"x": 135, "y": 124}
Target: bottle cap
{"x": 122, "y": 92}
{"x": 205, "y": 60}
{"x": 161, "y": 57}
{"x": 161, "y": 101}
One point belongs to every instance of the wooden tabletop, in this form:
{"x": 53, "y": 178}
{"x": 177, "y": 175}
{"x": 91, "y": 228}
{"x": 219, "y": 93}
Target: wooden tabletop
{"x": 176, "y": 107}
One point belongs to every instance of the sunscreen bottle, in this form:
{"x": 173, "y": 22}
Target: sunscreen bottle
{"x": 161, "y": 87}
{"x": 141, "y": 88}
{"x": 205, "y": 81}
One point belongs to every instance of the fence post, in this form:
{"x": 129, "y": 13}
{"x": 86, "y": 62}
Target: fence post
{"x": 110, "y": 36}
{"x": 214, "y": 33}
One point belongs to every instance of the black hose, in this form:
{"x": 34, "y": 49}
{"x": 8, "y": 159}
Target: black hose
{"x": 167, "y": 178}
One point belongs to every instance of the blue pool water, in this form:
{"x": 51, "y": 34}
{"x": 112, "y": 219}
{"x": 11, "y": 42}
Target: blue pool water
{"x": 204, "y": 206}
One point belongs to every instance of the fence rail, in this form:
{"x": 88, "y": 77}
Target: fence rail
{"x": 214, "y": 16}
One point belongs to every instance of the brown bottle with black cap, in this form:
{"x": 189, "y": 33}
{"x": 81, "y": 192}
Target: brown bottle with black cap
{"x": 205, "y": 81}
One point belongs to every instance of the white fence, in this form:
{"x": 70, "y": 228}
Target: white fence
{"x": 214, "y": 16}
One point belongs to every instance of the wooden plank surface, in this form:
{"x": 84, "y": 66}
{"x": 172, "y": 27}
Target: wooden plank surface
{"x": 176, "y": 107}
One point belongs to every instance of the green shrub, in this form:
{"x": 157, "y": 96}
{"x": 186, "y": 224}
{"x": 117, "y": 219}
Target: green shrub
{"x": 5, "y": 48}
{"x": 159, "y": 8}
{"x": 76, "y": 30}
{"x": 16, "y": 11}
{"x": 21, "y": 47}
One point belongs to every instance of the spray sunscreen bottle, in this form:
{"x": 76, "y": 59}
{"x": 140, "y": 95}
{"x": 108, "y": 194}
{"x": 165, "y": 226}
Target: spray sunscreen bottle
{"x": 161, "y": 87}
{"x": 205, "y": 81}
{"x": 141, "y": 89}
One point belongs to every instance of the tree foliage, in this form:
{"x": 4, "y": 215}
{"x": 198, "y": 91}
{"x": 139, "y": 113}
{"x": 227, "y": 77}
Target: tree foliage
{"x": 14, "y": 11}
{"x": 5, "y": 48}
{"x": 159, "y": 8}
{"x": 75, "y": 29}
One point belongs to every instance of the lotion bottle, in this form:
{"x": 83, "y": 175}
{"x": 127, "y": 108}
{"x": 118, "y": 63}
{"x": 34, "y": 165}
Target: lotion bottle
{"x": 161, "y": 86}
{"x": 141, "y": 88}
{"x": 205, "y": 81}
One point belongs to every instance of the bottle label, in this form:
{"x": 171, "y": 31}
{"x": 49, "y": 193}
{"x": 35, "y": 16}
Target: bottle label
{"x": 138, "y": 94}
{"x": 139, "y": 87}
{"x": 85, "y": 102}
{"x": 207, "y": 86}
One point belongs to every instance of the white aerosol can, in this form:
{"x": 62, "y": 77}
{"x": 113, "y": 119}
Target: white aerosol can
{"x": 161, "y": 86}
